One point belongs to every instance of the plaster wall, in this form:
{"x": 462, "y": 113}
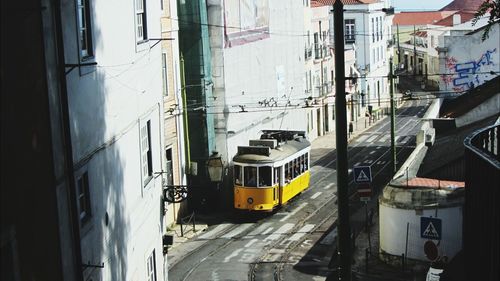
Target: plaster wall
{"x": 486, "y": 109}
{"x": 268, "y": 70}
{"x": 393, "y": 222}
{"x": 109, "y": 102}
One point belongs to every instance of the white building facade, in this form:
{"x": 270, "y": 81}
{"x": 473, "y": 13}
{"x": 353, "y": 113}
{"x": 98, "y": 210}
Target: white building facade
{"x": 365, "y": 30}
{"x": 114, "y": 81}
{"x": 258, "y": 69}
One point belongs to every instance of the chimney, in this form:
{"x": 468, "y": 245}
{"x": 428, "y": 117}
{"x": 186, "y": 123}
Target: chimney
{"x": 456, "y": 19}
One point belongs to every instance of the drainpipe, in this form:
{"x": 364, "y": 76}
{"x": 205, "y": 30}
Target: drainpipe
{"x": 185, "y": 115}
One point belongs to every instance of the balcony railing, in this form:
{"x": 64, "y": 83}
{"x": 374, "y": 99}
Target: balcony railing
{"x": 308, "y": 53}
{"x": 482, "y": 178}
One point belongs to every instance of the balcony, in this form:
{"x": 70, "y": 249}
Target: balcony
{"x": 308, "y": 53}
{"x": 482, "y": 181}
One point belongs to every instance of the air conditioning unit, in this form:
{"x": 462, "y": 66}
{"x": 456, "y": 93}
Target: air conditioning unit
{"x": 430, "y": 136}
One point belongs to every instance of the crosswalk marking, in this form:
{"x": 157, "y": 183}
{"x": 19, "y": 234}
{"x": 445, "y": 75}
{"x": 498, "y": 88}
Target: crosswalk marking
{"x": 267, "y": 231}
{"x": 213, "y": 233}
{"x": 251, "y": 242}
{"x": 237, "y": 230}
{"x": 363, "y": 138}
{"x": 403, "y": 139}
{"x": 283, "y": 229}
{"x": 316, "y": 195}
{"x": 258, "y": 230}
{"x": 385, "y": 138}
{"x": 303, "y": 231}
{"x": 329, "y": 185}
{"x": 293, "y": 212}
{"x": 372, "y": 138}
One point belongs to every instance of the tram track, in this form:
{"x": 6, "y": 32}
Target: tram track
{"x": 325, "y": 165}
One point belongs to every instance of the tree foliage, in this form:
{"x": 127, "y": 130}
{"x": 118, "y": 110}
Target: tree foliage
{"x": 493, "y": 8}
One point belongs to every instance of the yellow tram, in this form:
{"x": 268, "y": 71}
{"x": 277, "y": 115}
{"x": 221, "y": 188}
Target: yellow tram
{"x": 271, "y": 171}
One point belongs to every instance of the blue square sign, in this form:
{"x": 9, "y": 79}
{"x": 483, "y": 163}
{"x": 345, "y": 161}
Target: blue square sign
{"x": 430, "y": 228}
{"x": 362, "y": 174}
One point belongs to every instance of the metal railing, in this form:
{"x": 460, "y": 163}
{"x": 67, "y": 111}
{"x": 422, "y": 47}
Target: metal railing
{"x": 485, "y": 144}
{"x": 482, "y": 181}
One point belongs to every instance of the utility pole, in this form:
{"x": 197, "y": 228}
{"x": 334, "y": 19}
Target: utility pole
{"x": 393, "y": 121}
{"x": 414, "y": 52}
{"x": 344, "y": 231}
{"x": 399, "y": 49}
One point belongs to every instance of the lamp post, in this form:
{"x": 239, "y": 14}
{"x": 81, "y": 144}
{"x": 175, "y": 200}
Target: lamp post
{"x": 215, "y": 167}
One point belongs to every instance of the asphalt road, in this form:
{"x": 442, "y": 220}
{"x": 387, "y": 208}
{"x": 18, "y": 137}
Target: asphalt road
{"x": 297, "y": 241}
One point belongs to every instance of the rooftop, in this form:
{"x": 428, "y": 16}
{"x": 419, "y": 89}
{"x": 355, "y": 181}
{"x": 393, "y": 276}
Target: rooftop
{"x": 465, "y": 16}
{"x": 420, "y": 18}
{"x": 345, "y": 2}
{"x": 465, "y": 5}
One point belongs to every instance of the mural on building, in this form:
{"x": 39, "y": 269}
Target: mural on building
{"x": 469, "y": 74}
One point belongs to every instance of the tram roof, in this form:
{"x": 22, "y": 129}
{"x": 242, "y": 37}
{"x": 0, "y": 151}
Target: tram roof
{"x": 282, "y": 152}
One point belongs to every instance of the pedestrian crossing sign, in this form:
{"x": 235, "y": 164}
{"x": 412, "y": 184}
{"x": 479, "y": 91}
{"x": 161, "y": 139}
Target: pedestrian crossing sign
{"x": 430, "y": 228}
{"x": 362, "y": 174}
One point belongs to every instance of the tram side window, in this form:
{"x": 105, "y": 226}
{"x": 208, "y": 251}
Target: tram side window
{"x": 265, "y": 176}
{"x": 238, "y": 175}
{"x": 297, "y": 168}
{"x": 251, "y": 176}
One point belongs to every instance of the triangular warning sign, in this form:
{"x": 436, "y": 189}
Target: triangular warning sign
{"x": 362, "y": 177}
{"x": 430, "y": 231}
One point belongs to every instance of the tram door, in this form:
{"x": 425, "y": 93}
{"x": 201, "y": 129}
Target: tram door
{"x": 276, "y": 185}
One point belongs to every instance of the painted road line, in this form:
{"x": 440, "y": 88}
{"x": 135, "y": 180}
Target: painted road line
{"x": 372, "y": 138}
{"x": 237, "y": 230}
{"x": 282, "y": 230}
{"x": 258, "y": 230}
{"x": 329, "y": 185}
{"x": 316, "y": 195}
{"x": 213, "y": 233}
{"x": 293, "y": 212}
{"x": 303, "y": 231}
{"x": 251, "y": 242}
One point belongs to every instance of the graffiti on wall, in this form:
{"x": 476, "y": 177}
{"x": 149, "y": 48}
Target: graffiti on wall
{"x": 466, "y": 75}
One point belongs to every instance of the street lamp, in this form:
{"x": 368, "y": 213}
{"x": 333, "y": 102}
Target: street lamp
{"x": 215, "y": 167}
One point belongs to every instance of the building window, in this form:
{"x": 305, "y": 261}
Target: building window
{"x": 146, "y": 155}
{"x": 141, "y": 20}
{"x": 349, "y": 31}
{"x": 317, "y": 54}
{"x": 151, "y": 267}
{"x": 169, "y": 166}
{"x": 84, "y": 28}
{"x": 83, "y": 193}
{"x": 164, "y": 73}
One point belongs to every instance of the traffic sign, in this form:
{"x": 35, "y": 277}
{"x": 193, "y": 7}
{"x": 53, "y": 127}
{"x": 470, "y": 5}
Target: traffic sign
{"x": 364, "y": 192}
{"x": 362, "y": 174}
{"x": 430, "y": 228}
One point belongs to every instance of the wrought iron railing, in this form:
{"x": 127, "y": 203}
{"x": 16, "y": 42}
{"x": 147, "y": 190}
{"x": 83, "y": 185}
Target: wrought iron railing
{"x": 485, "y": 144}
{"x": 482, "y": 182}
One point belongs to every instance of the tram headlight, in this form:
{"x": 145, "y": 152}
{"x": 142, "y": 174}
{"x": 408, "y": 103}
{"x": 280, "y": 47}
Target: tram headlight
{"x": 250, "y": 200}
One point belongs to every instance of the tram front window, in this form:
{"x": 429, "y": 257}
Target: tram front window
{"x": 265, "y": 176}
{"x": 251, "y": 176}
{"x": 238, "y": 179}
